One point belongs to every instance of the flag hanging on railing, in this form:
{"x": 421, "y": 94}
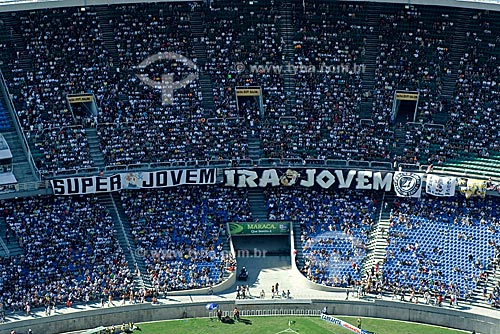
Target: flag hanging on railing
{"x": 440, "y": 185}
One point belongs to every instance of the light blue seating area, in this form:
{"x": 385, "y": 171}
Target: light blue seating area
{"x": 441, "y": 244}
{"x": 334, "y": 227}
{"x": 182, "y": 233}
{"x": 4, "y": 123}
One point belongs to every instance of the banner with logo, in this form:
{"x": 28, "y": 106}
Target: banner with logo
{"x": 440, "y": 185}
{"x": 343, "y": 324}
{"x": 133, "y": 180}
{"x": 408, "y": 184}
{"x": 472, "y": 187}
{"x": 259, "y": 228}
{"x": 308, "y": 177}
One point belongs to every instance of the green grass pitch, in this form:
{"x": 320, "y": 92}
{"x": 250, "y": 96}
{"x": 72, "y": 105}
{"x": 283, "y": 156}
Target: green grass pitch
{"x": 275, "y": 325}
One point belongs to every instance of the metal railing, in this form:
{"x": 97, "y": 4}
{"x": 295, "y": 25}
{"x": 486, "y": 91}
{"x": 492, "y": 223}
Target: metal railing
{"x": 270, "y": 312}
{"x": 6, "y": 250}
{"x": 431, "y": 126}
{"x": 264, "y": 162}
{"x": 60, "y": 128}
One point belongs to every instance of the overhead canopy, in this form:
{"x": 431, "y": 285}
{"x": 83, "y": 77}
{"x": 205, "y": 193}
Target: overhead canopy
{"x": 7, "y": 178}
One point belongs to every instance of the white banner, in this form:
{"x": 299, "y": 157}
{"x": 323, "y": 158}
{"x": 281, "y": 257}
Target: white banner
{"x": 343, "y": 324}
{"x": 407, "y": 184}
{"x": 133, "y": 180}
{"x": 308, "y": 177}
{"x": 440, "y": 185}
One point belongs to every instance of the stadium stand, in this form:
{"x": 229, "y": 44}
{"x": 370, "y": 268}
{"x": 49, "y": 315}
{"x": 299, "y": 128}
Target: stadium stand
{"x": 131, "y": 133}
{"x": 328, "y": 65}
{"x": 66, "y": 52}
{"x": 182, "y": 233}
{"x": 40, "y": 90}
{"x": 70, "y": 253}
{"x": 441, "y": 246}
{"x": 470, "y": 131}
{"x": 473, "y": 122}
{"x": 243, "y": 44}
{"x": 136, "y": 127}
{"x": 334, "y": 230}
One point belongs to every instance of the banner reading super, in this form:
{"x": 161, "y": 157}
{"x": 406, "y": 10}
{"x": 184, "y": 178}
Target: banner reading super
{"x": 133, "y": 180}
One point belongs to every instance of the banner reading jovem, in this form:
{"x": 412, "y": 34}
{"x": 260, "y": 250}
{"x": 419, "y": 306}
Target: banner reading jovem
{"x": 133, "y": 180}
{"x": 404, "y": 184}
{"x": 309, "y": 177}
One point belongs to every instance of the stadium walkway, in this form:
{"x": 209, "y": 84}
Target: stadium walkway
{"x": 263, "y": 273}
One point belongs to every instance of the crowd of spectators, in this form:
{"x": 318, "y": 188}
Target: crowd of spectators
{"x": 414, "y": 44}
{"x": 414, "y": 55}
{"x": 58, "y": 147}
{"x": 426, "y": 144}
{"x": 334, "y": 230}
{"x": 329, "y": 47}
{"x": 70, "y": 255}
{"x": 473, "y": 125}
{"x": 182, "y": 233}
{"x": 471, "y": 128}
{"x": 441, "y": 246}
{"x": 135, "y": 125}
{"x": 245, "y": 46}
{"x": 244, "y": 49}
{"x": 66, "y": 55}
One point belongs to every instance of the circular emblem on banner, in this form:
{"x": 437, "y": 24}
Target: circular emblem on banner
{"x": 289, "y": 178}
{"x": 407, "y": 184}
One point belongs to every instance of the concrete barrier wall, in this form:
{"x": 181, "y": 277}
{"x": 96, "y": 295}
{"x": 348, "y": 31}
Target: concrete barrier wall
{"x": 223, "y": 286}
{"x": 453, "y": 318}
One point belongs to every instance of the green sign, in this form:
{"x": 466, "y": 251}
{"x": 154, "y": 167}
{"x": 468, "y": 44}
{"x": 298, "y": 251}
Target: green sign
{"x": 259, "y": 228}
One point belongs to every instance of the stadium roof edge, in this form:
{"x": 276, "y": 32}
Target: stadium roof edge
{"x": 493, "y": 5}
{"x": 20, "y": 5}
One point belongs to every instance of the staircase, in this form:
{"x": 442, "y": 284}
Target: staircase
{"x": 200, "y": 51}
{"x": 20, "y": 161}
{"x": 377, "y": 244}
{"x": 400, "y": 140}
{"x": 457, "y": 50}
{"x": 287, "y": 31}
{"x": 10, "y": 31}
{"x": 136, "y": 264}
{"x": 257, "y": 201}
{"x": 369, "y": 59}
{"x": 254, "y": 149}
{"x": 297, "y": 233}
{"x": 13, "y": 244}
{"x": 493, "y": 281}
{"x": 106, "y": 15}
{"x": 95, "y": 147}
